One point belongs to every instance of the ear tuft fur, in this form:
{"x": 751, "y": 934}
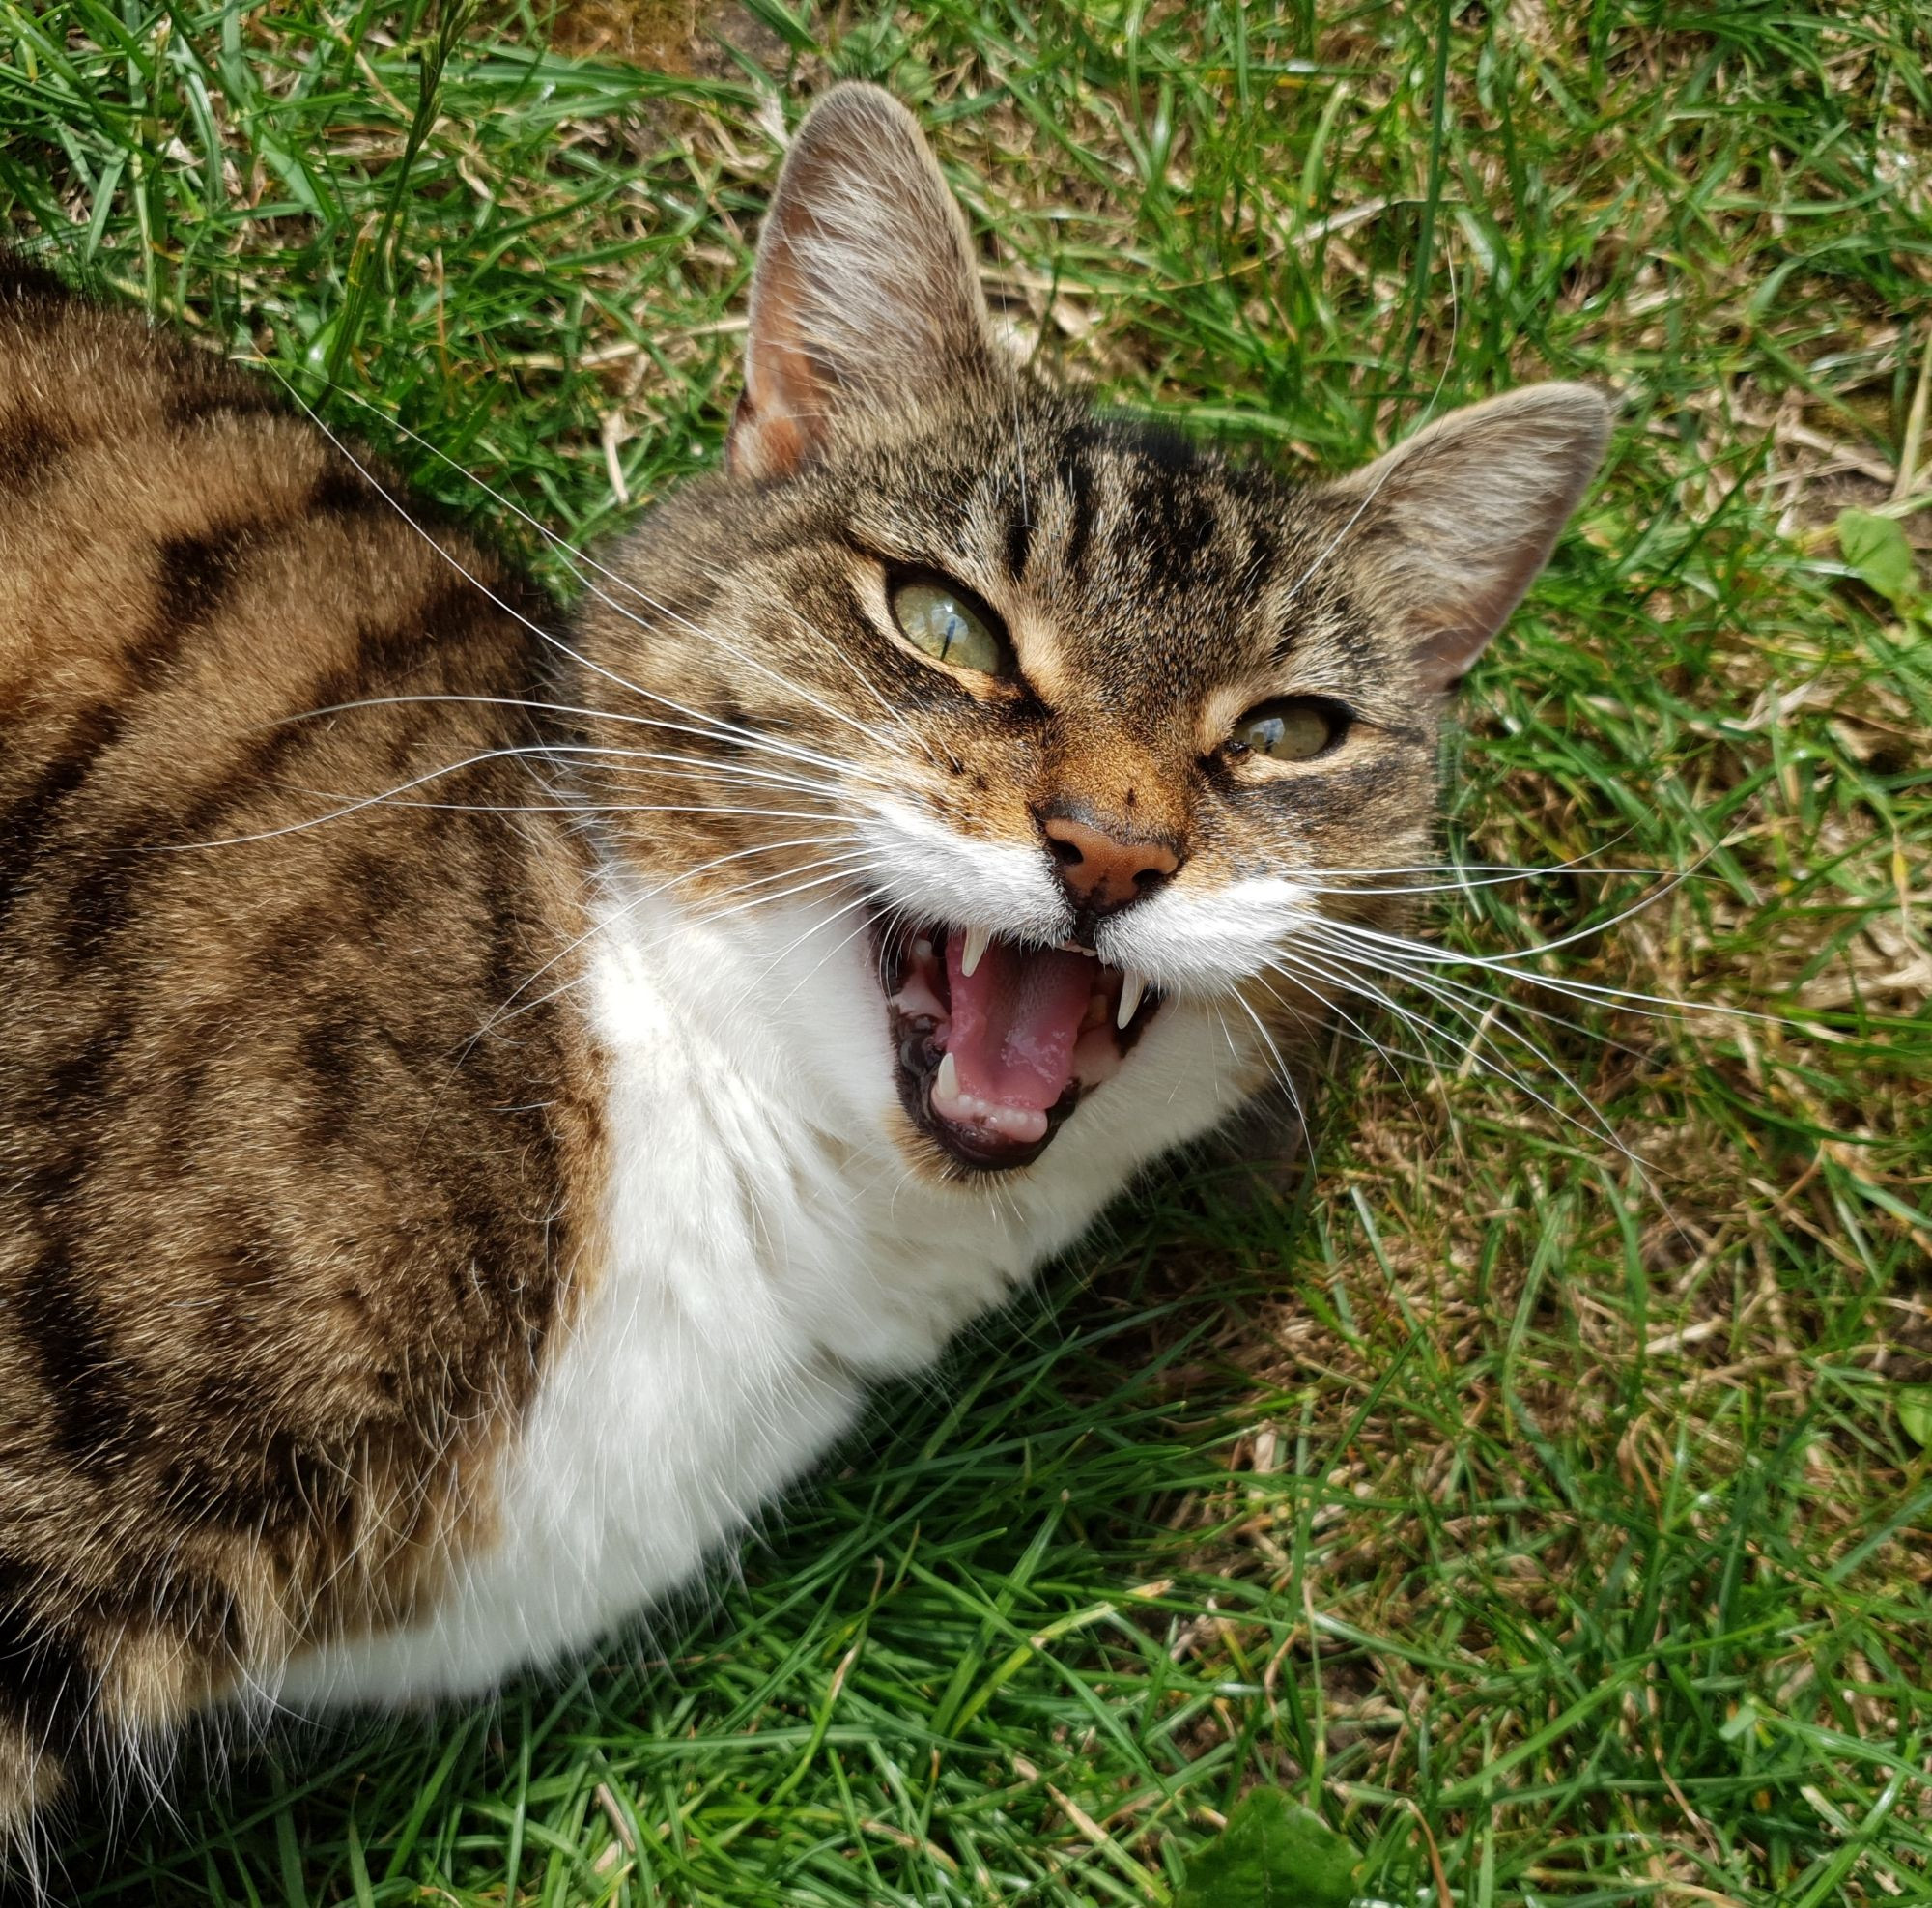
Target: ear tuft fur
{"x": 1451, "y": 527}
{"x": 865, "y": 297}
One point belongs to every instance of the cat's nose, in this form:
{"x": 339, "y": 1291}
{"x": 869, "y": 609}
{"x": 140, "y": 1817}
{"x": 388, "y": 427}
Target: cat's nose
{"x": 1101, "y": 869}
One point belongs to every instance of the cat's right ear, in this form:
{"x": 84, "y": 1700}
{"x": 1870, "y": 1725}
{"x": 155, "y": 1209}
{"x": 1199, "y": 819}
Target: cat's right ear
{"x": 865, "y": 299}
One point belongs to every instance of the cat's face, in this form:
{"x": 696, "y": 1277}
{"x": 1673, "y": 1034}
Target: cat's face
{"x": 1048, "y": 740}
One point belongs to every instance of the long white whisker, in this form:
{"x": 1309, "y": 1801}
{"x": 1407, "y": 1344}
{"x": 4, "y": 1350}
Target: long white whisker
{"x": 857, "y": 861}
{"x": 1471, "y": 877}
{"x": 501, "y": 1013}
{"x": 1498, "y": 1066}
{"x": 1297, "y": 964}
{"x": 564, "y": 744}
{"x": 817, "y": 927}
{"x": 1423, "y": 951}
{"x": 525, "y": 748}
{"x": 1481, "y": 1033}
{"x": 1335, "y": 1008}
{"x": 594, "y": 808}
{"x": 715, "y": 724}
{"x": 1280, "y": 1067}
{"x": 1397, "y": 967}
{"x": 1423, "y": 954}
{"x": 572, "y": 557}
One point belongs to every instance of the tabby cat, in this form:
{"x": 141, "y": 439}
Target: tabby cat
{"x": 478, "y": 1104}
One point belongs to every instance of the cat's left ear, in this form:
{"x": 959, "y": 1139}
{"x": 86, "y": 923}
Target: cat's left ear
{"x": 1446, "y": 531}
{"x": 864, "y": 298}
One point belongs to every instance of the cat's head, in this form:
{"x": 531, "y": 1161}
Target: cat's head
{"x": 1032, "y": 744}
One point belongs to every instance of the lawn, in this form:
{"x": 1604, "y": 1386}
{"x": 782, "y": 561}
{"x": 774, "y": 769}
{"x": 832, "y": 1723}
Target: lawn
{"x": 1530, "y": 1474}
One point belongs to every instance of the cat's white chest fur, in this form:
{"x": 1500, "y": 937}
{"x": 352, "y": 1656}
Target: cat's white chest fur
{"x": 768, "y": 1253}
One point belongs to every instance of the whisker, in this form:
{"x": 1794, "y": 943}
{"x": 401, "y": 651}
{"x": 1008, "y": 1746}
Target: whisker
{"x": 563, "y": 745}
{"x": 1280, "y": 1068}
{"x": 351, "y": 807}
{"x": 717, "y": 726}
{"x": 607, "y": 808}
{"x": 572, "y": 557}
{"x": 844, "y": 941}
{"x": 1477, "y": 877}
{"x": 1360, "y": 1032}
{"x": 1396, "y": 967}
{"x": 586, "y": 748}
{"x": 1296, "y": 964}
{"x": 1482, "y": 1036}
{"x": 859, "y": 861}
{"x": 636, "y": 902}
{"x": 531, "y": 752}
{"x": 1425, "y": 954}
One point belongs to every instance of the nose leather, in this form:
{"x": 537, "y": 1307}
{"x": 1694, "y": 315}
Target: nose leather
{"x": 1102, "y": 872}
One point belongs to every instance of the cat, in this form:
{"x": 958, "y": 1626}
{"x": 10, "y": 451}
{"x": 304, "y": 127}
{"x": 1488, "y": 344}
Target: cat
{"x": 478, "y": 1104}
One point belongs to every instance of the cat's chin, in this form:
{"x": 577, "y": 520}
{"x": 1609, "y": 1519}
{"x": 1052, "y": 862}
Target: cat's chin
{"x": 994, "y": 1042}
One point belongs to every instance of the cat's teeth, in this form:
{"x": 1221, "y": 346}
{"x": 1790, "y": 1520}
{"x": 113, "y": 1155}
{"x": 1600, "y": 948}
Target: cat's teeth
{"x": 947, "y": 1084}
{"x": 1132, "y": 986}
{"x": 976, "y": 939}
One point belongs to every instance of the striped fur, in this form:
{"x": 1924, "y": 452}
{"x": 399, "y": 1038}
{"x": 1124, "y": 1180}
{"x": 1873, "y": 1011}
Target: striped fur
{"x": 279, "y": 1250}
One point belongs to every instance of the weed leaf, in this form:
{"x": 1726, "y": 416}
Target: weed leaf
{"x": 1876, "y": 549}
{"x": 1272, "y": 1854}
{"x": 1915, "y": 1414}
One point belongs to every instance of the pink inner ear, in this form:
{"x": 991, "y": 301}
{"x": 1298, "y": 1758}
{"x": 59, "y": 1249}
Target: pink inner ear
{"x": 865, "y": 295}
{"x": 769, "y": 437}
{"x": 761, "y": 445}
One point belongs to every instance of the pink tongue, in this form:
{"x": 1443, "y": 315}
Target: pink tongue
{"x": 1014, "y": 1020}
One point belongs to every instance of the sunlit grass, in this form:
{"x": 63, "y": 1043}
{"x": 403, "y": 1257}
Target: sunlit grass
{"x": 1545, "y": 1516}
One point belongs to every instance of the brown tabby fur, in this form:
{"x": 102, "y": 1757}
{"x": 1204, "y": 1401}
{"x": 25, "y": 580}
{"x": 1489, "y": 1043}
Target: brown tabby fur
{"x": 258, "y": 1332}
{"x": 291, "y": 1203}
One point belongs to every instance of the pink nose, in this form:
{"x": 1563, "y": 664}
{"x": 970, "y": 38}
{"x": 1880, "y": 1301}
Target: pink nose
{"x": 1101, "y": 871}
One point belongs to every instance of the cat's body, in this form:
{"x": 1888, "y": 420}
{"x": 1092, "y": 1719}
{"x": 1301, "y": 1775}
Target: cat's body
{"x": 430, "y": 1225}
{"x": 247, "y": 1380}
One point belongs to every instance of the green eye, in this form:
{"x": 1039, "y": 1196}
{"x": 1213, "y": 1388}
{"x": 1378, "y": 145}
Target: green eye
{"x": 1296, "y": 730}
{"x": 936, "y": 621}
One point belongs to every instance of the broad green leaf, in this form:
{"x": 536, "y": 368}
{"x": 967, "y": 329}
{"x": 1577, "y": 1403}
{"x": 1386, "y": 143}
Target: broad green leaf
{"x": 1875, "y": 547}
{"x": 1914, "y": 1412}
{"x": 1272, "y": 1854}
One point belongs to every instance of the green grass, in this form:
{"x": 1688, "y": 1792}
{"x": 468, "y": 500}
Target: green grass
{"x": 1559, "y": 1532}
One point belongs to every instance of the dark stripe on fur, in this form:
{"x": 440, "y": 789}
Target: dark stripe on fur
{"x": 1174, "y": 529}
{"x": 343, "y": 491}
{"x": 103, "y": 883}
{"x": 218, "y": 394}
{"x": 44, "y": 1677}
{"x": 194, "y": 573}
{"x": 30, "y": 817}
{"x": 1076, "y": 477}
{"x": 22, "y": 281}
{"x": 30, "y": 447}
{"x": 255, "y": 1476}
{"x": 95, "y": 1421}
{"x": 1019, "y": 541}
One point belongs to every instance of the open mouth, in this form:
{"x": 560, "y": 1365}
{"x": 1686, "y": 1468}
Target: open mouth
{"x": 996, "y": 1042}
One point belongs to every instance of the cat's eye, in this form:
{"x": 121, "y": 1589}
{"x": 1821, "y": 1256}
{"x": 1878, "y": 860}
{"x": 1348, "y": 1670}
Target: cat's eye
{"x": 1295, "y": 729}
{"x": 949, "y": 629}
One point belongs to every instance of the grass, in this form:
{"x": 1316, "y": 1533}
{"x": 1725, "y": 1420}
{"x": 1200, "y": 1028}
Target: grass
{"x": 1558, "y": 1529}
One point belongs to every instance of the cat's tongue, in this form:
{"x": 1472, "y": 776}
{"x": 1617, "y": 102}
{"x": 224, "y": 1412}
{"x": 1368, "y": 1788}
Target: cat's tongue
{"x": 1014, "y": 1021}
